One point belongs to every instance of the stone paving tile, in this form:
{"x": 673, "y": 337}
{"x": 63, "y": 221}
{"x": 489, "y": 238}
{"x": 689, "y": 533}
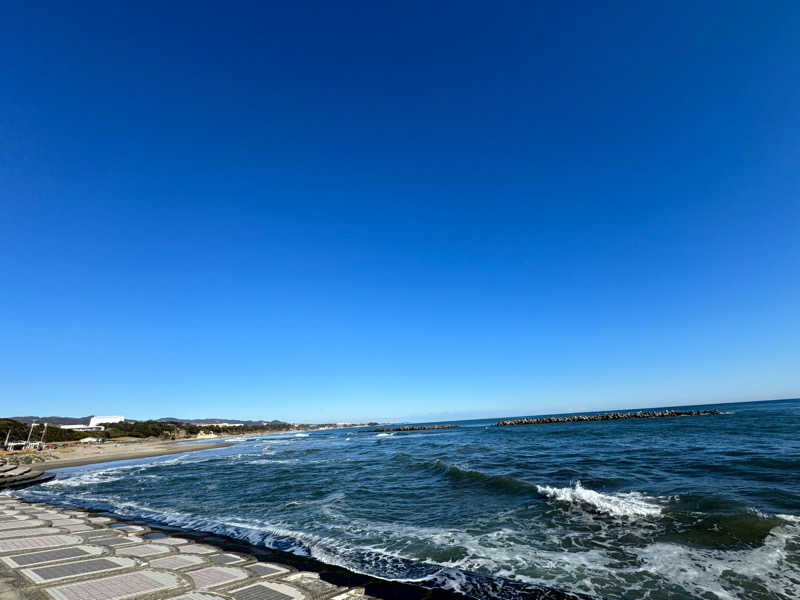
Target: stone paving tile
{"x": 266, "y": 570}
{"x": 197, "y": 549}
{"x": 114, "y": 541}
{"x": 210, "y": 577}
{"x": 75, "y": 528}
{"x": 48, "y": 541}
{"x": 351, "y": 595}
{"x": 13, "y": 517}
{"x": 44, "y": 514}
{"x": 199, "y": 596}
{"x": 15, "y": 533}
{"x": 46, "y": 556}
{"x": 267, "y": 591}
{"x": 129, "y": 528}
{"x": 311, "y": 583}
{"x": 173, "y": 541}
{"x": 143, "y": 550}
{"x": 94, "y": 566}
{"x": 225, "y": 559}
{"x": 177, "y": 561}
{"x": 66, "y": 521}
{"x": 116, "y": 587}
{"x": 19, "y": 524}
{"x": 98, "y": 533}
{"x": 100, "y": 520}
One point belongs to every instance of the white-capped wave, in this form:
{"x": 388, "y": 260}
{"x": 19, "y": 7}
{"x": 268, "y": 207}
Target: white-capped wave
{"x": 627, "y": 504}
{"x": 384, "y": 435}
{"x": 790, "y": 518}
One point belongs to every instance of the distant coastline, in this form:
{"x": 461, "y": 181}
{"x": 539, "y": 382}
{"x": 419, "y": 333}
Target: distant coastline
{"x": 111, "y": 452}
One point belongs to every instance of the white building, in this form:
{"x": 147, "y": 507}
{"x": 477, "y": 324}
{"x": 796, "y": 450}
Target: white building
{"x": 83, "y": 427}
{"x": 95, "y": 423}
{"x": 98, "y": 420}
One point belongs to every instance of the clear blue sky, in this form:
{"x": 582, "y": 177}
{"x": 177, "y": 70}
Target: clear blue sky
{"x": 331, "y": 211}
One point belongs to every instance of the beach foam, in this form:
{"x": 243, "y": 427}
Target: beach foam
{"x": 729, "y": 574}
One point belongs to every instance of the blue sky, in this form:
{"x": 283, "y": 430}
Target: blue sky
{"x": 344, "y": 211}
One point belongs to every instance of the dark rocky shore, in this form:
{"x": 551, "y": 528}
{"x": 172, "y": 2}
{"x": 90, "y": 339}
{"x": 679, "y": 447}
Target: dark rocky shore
{"x": 612, "y": 416}
{"x": 408, "y": 428}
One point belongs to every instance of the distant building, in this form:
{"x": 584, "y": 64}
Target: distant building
{"x": 83, "y": 427}
{"x": 99, "y": 420}
{"x": 95, "y": 423}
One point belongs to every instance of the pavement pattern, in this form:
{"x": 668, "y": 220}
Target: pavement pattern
{"x": 51, "y": 554}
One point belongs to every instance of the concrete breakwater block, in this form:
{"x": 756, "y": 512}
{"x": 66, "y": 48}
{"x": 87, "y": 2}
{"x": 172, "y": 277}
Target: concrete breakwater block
{"x": 48, "y": 541}
{"x": 117, "y": 587}
{"x": 70, "y": 570}
{"x": 47, "y": 556}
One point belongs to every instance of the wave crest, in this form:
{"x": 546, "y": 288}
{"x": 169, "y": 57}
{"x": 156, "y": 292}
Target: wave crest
{"x": 630, "y": 504}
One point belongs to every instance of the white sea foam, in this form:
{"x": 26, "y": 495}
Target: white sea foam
{"x": 754, "y": 511}
{"x": 730, "y": 574}
{"x": 790, "y": 518}
{"x": 300, "y": 435}
{"x": 384, "y": 435}
{"x": 79, "y": 478}
{"x": 629, "y": 504}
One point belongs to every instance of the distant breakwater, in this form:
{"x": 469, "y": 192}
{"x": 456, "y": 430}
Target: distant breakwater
{"x": 611, "y": 416}
{"x": 408, "y": 428}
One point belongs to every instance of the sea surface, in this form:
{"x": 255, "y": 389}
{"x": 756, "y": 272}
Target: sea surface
{"x": 685, "y": 507}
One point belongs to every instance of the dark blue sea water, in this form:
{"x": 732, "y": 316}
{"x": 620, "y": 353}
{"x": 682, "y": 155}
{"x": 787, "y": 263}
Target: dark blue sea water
{"x": 687, "y": 507}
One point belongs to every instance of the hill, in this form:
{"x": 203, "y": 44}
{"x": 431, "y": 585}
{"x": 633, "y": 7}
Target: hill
{"x": 54, "y": 420}
{"x": 19, "y": 431}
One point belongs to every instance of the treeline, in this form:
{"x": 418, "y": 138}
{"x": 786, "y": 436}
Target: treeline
{"x": 139, "y": 429}
{"x": 19, "y": 431}
{"x": 175, "y": 429}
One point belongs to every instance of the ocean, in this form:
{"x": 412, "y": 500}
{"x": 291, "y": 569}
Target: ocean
{"x": 686, "y": 507}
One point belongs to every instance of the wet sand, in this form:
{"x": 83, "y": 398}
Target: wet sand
{"x": 112, "y": 452}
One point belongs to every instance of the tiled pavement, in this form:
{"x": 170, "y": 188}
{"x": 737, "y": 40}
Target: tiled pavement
{"x": 51, "y": 554}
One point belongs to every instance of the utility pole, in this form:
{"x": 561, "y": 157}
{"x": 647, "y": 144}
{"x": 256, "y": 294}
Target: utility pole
{"x": 5, "y": 445}
{"x": 28, "y": 441}
{"x": 44, "y": 432}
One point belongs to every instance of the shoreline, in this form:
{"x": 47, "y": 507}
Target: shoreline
{"x": 301, "y": 578}
{"x": 374, "y": 587}
{"x": 151, "y": 450}
{"x": 352, "y": 584}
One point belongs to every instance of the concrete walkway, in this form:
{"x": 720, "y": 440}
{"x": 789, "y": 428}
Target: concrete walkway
{"x": 53, "y": 554}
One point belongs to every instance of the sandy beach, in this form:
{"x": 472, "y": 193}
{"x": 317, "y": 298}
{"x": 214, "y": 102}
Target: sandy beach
{"x": 78, "y": 455}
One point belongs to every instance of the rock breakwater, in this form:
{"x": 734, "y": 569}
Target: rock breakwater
{"x": 610, "y": 416}
{"x": 407, "y": 428}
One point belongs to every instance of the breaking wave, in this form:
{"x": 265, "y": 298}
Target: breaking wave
{"x": 628, "y": 504}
